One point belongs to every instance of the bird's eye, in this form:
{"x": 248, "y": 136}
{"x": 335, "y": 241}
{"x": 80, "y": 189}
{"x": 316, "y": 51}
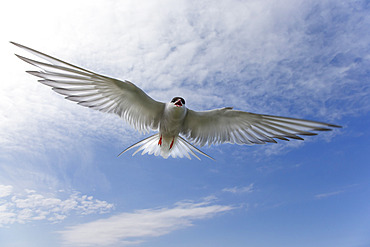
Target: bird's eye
{"x": 182, "y": 101}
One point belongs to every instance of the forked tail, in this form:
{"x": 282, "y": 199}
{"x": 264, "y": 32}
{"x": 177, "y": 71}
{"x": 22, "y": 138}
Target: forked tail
{"x": 180, "y": 148}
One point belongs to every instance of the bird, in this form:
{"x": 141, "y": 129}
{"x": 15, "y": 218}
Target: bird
{"x": 178, "y": 128}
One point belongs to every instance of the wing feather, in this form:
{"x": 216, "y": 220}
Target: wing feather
{"x": 96, "y": 91}
{"x": 228, "y": 125}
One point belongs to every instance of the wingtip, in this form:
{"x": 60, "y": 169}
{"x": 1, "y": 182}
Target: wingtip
{"x": 335, "y": 126}
{"x": 21, "y": 57}
{"x": 15, "y": 43}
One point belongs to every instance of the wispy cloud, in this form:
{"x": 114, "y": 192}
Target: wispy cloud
{"x": 239, "y": 190}
{"x": 341, "y": 190}
{"x": 31, "y": 206}
{"x": 5, "y": 190}
{"x": 329, "y": 194}
{"x": 135, "y": 227}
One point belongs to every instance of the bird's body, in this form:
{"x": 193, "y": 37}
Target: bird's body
{"x": 171, "y": 119}
{"x": 170, "y": 126}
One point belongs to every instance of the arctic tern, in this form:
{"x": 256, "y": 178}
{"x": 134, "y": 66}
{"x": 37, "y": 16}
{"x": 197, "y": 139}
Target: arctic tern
{"x": 171, "y": 119}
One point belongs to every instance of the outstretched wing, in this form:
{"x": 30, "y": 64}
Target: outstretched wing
{"x": 228, "y": 125}
{"x": 97, "y": 91}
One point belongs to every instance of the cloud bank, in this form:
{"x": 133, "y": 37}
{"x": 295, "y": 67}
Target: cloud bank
{"x": 31, "y": 206}
{"x": 136, "y": 227}
{"x": 293, "y": 58}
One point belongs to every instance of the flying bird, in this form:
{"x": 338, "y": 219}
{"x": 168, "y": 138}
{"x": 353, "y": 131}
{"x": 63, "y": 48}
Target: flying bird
{"x": 173, "y": 120}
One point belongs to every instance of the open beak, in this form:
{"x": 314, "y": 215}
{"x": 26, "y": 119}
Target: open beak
{"x": 178, "y": 103}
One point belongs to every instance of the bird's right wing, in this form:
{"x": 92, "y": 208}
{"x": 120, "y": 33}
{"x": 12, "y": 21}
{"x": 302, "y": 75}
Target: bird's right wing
{"x": 97, "y": 91}
{"x": 228, "y": 125}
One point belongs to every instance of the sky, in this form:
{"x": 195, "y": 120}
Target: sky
{"x": 62, "y": 184}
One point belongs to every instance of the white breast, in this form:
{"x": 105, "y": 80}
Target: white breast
{"x": 172, "y": 120}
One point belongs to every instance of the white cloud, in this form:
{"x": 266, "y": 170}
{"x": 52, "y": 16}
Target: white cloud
{"x": 329, "y": 194}
{"x": 30, "y": 206}
{"x": 135, "y": 227}
{"x": 239, "y": 190}
{"x": 280, "y": 148}
{"x": 5, "y": 190}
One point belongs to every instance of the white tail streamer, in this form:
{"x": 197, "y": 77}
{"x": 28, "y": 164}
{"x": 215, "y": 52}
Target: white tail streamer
{"x": 179, "y": 149}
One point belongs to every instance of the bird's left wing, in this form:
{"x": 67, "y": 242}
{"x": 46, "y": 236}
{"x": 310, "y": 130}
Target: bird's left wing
{"x": 228, "y": 125}
{"x": 97, "y": 91}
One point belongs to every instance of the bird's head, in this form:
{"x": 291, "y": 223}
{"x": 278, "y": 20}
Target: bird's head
{"x": 178, "y": 102}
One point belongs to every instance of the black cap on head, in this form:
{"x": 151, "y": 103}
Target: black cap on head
{"x": 178, "y": 98}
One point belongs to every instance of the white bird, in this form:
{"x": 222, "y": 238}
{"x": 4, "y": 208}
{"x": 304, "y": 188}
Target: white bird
{"x": 123, "y": 98}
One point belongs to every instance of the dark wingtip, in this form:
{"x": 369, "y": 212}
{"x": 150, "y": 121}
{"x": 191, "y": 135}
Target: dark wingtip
{"x": 281, "y": 138}
{"x": 334, "y": 126}
{"x": 308, "y": 134}
{"x": 22, "y": 58}
{"x": 16, "y": 44}
{"x": 322, "y": 129}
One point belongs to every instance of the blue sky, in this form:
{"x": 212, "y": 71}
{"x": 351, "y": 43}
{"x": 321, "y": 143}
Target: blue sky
{"x": 61, "y": 183}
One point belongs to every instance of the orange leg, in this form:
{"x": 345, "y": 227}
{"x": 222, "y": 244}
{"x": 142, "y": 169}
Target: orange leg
{"x": 160, "y": 141}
